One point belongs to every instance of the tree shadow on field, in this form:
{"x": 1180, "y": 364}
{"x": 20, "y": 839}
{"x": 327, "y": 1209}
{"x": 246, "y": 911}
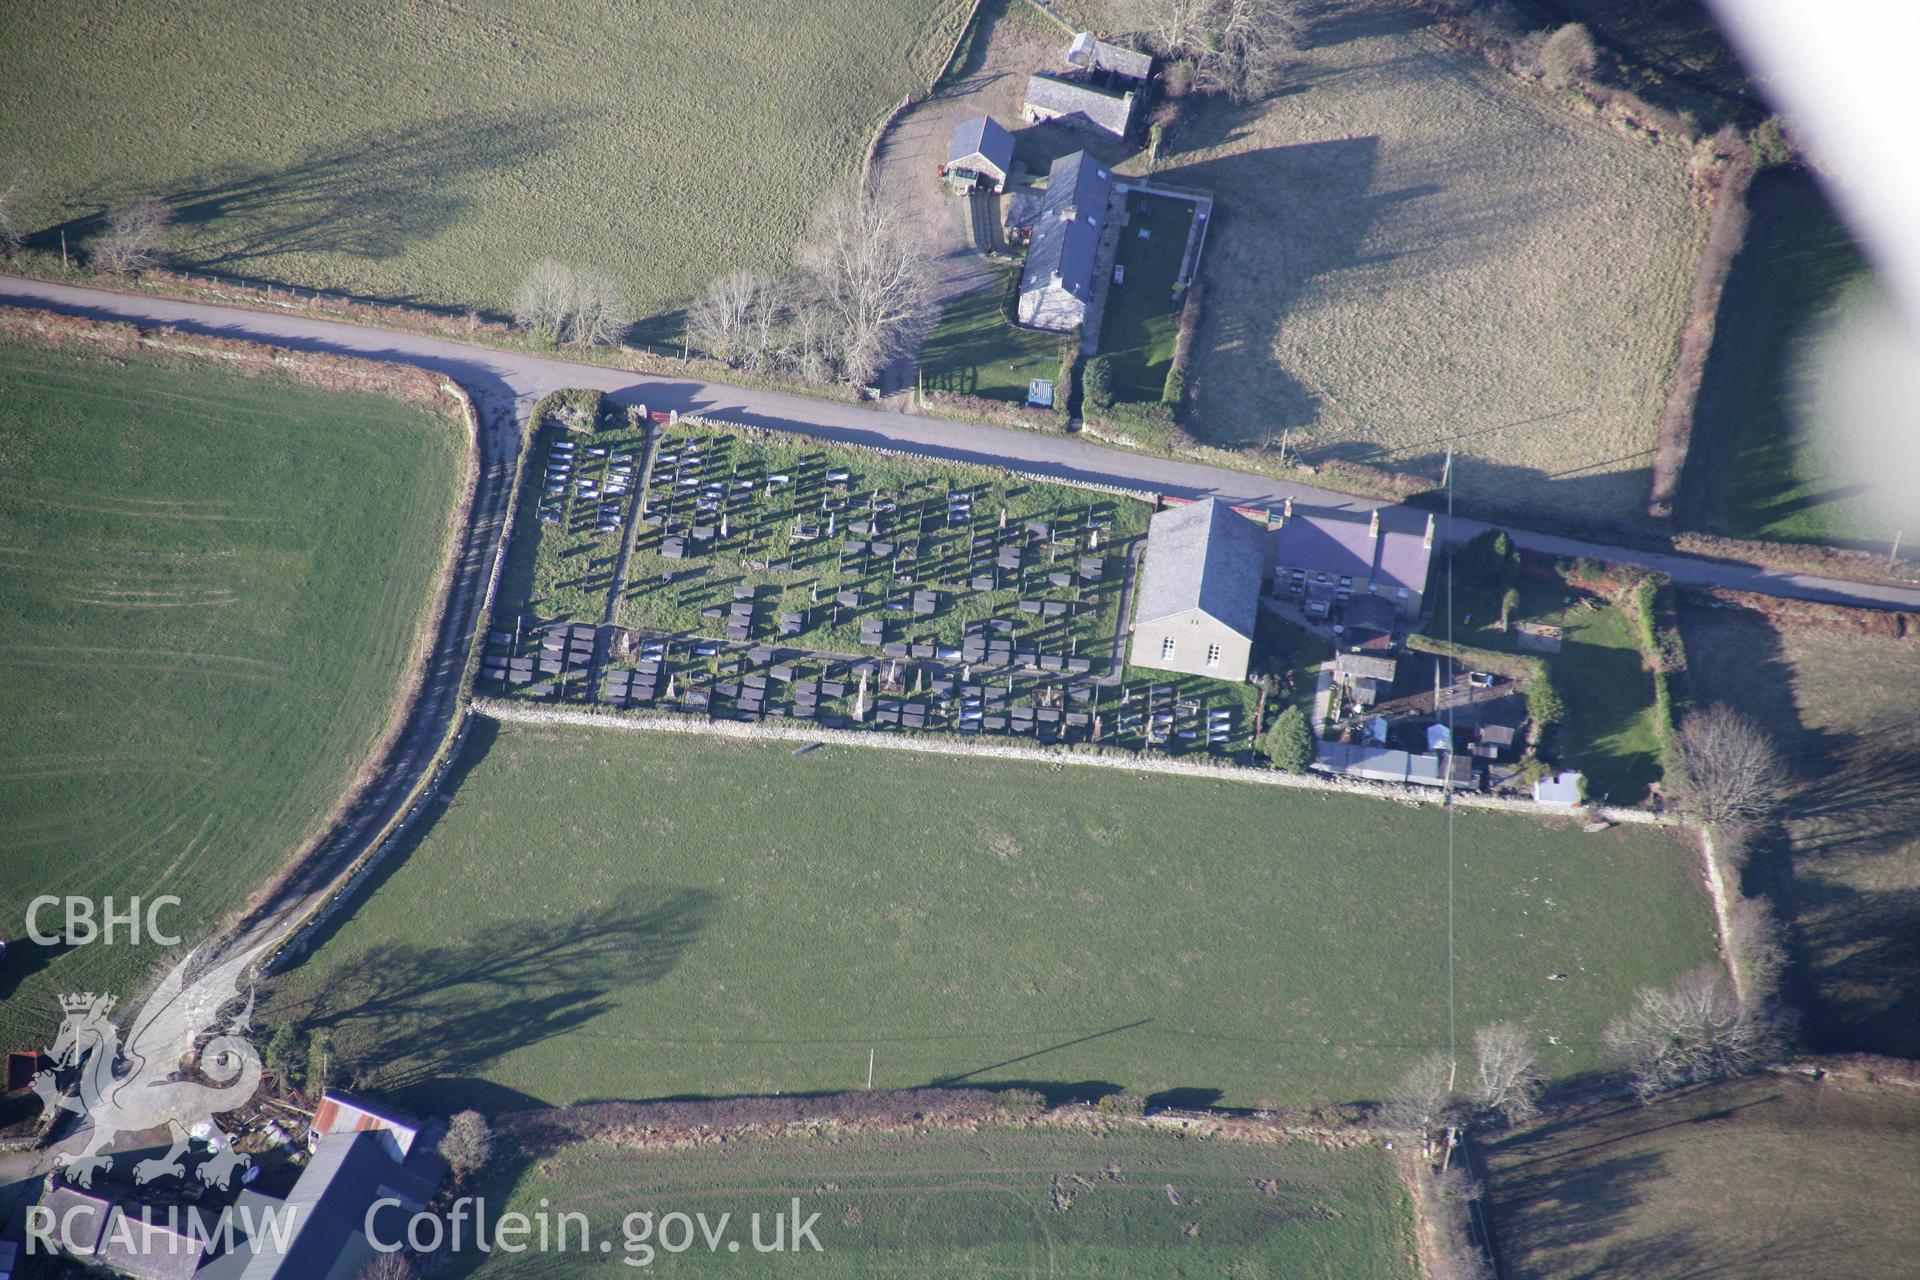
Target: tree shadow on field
{"x": 406, "y": 1015}
{"x": 369, "y": 196}
{"x": 1553, "y": 1207}
{"x": 1335, "y": 22}
{"x": 1853, "y": 952}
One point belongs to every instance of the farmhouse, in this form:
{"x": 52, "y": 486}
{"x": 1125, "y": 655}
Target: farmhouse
{"x": 979, "y": 156}
{"x": 1200, "y": 591}
{"x": 1323, "y": 559}
{"x": 1094, "y": 57}
{"x": 1057, "y": 283}
{"x": 1051, "y": 98}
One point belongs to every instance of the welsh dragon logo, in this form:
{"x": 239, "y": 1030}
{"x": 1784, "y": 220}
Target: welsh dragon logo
{"x": 148, "y": 1082}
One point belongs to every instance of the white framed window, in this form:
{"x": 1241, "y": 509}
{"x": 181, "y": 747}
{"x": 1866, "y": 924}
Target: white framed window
{"x": 1166, "y": 648}
{"x": 1213, "y": 655}
{"x": 1402, "y": 593}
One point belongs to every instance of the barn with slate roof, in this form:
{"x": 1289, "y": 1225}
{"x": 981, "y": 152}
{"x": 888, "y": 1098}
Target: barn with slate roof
{"x": 979, "y": 155}
{"x": 1200, "y": 591}
{"x": 1072, "y": 102}
{"x": 1056, "y": 285}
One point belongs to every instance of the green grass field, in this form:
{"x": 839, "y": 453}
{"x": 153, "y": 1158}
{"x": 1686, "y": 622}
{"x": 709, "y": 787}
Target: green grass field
{"x": 1033, "y": 1201}
{"x": 611, "y": 915}
{"x": 1807, "y": 368}
{"x": 435, "y": 152}
{"x": 1770, "y": 1178}
{"x": 215, "y": 585}
{"x": 1412, "y": 249}
{"x": 1844, "y": 873}
{"x": 976, "y": 351}
{"x": 1139, "y": 325}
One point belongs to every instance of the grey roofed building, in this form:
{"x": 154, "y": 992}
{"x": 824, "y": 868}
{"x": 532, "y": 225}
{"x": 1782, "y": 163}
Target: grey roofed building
{"x": 1056, "y": 284}
{"x": 80, "y": 1217}
{"x": 1351, "y": 666}
{"x": 325, "y": 1215}
{"x": 1087, "y": 52}
{"x": 1323, "y": 558}
{"x": 144, "y": 1246}
{"x": 980, "y": 152}
{"x": 1051, "y": 98}
{"x": 1200, "y": 591}
{"x": 1367, "y": 612}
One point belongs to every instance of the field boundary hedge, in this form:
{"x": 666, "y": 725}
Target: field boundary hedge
{"x": 1726, "y": 231}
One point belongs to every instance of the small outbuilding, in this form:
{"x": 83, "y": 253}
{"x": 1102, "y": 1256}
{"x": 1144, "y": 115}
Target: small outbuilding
{"x": 1562, "y": 790}
{"x": 979, "y": 156}
{"x": 1089, "y": 55}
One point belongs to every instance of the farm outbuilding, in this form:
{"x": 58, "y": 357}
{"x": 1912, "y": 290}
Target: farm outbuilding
{"x": 1051, "y": 98}
{"x": 1089, "y": 54}
{"x": 1056, "y": 285}
{"x": 979, "y": 156}
{"x": 1200, "y": 591}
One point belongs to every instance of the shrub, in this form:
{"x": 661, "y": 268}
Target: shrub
{"x": 1288, "y": 743}
{"x": 1124, "y": 1103}
{"x": 468, "y": 1143}
{"x": 286, "y": 1054}
{"x": 1020, "y": 1104}
{"x": 1568, "y": 57}
{"x": 1175, "y": 389}
{"x": 1069, "y": 366}
{"x": 1098, "y": 382}
{"x": 1543, "y": 700}
{"x": 320, "y": 1064}
{"x": 1771, "y": 145}
{"x": 575, "y": 408}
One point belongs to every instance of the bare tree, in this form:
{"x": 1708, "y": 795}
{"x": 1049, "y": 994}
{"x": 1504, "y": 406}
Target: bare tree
{"x": 13, "y": 198}
{"x": 468, "y": 1143}
{"x": 545, "y": 300}
{"x": 1423, "y": 1100}
{"x": 1248, "y": 44}
{"x": 771, "y": 304}
{"x": 387, "y": 1266}
{"x": 1507, "y": 1079}
{"x": 601, "y": 314}
{"x": 1754, "y": 946}
{"x": 1694, "y": 1031}
{"x": 1725, "y": 769}
{"x": 1235, "y": 47}
{"x": 869, "y": 279}
{"x": 134, "y": 237}
{"x": 720, "y": 316}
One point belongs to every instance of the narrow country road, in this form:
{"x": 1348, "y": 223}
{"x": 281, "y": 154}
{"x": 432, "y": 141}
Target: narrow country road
{"x": 493, "y": 377}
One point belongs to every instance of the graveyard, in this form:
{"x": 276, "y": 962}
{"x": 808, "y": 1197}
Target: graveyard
{"x": 699, "y": 568}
